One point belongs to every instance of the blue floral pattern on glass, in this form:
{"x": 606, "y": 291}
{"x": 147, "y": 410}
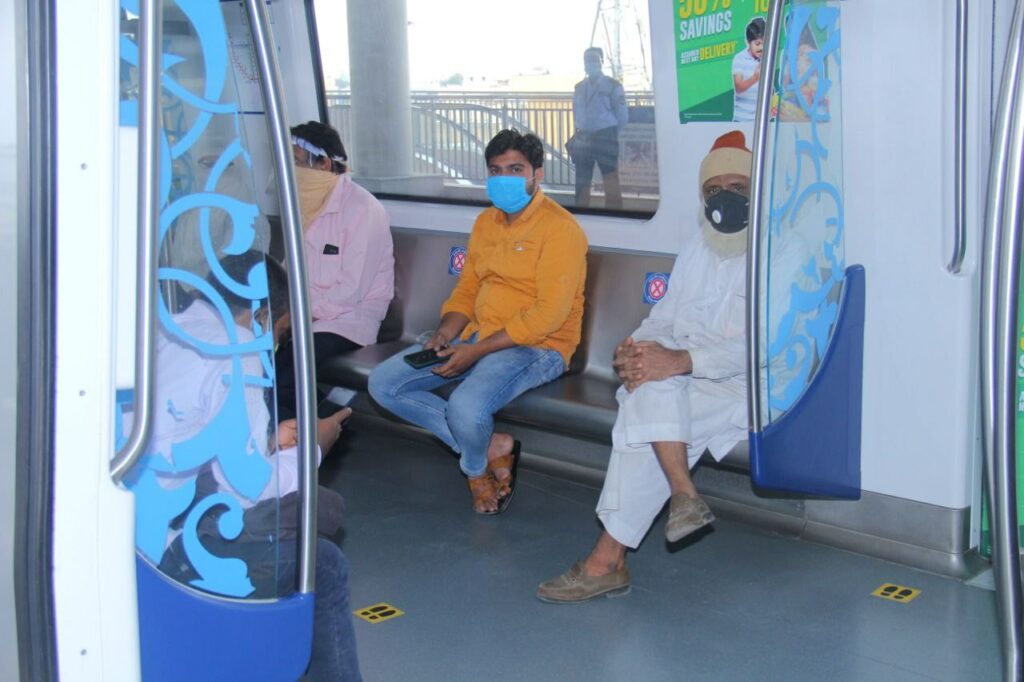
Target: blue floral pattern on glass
{"x": 193, "y": 121}
{"x": 806, "y": 262}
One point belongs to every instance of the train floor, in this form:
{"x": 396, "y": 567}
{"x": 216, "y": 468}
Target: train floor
{"x": 733, "y": 603}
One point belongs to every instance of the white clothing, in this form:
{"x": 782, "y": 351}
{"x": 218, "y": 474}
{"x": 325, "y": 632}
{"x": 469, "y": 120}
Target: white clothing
{"x": 744, "y": 103}
{"x": 599, "y": 102}
{"x": 704, "y": 312}
{"x": 190, "y": 392}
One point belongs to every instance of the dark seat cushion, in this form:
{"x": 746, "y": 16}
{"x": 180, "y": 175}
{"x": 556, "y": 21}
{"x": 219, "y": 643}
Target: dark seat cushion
{"x": 352, "y": 369}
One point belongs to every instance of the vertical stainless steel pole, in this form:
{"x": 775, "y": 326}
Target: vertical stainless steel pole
{"x": 956, "y": 261}
{"x": 759, "y": 146}
{"x": 302, "y": 332}
{"x": 1000, "y": 288}
{"x": 148, "y": 217}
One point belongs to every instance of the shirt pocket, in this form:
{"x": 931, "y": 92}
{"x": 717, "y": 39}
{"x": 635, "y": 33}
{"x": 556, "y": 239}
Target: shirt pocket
{"x": 323, "y": 263}
{"x": 517, "y": 262}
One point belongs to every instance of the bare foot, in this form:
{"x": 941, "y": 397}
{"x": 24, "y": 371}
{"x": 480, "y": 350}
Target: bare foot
{"x": 328, "y": 429}
{"x": 501, "y": 444}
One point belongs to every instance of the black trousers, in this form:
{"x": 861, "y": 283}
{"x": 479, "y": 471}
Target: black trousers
{"x": 600, "y": 147}
{"x": 325, "y": 346}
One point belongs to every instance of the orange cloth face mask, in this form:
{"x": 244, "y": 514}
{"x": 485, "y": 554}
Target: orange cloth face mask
{"x": 315, "y": 187}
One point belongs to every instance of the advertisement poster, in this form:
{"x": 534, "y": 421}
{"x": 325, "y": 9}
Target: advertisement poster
{"x": 719, "y": 44}
{"x": 711, "y": 42}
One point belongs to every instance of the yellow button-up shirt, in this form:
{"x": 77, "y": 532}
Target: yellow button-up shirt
{"x": 525, "y": 277}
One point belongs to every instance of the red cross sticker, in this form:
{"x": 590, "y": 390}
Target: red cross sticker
{"x": 655, "y": 287}
{"x": 456, "y": 260}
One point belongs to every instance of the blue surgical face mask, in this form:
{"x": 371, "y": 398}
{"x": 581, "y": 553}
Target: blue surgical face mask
{"x": 508, "y": 192}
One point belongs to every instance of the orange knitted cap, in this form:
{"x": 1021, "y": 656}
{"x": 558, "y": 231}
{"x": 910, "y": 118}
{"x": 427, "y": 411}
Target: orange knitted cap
{"x": 728, "y": 155}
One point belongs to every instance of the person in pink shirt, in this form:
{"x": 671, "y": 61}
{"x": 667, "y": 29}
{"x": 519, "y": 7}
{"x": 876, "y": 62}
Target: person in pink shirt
{"x": 350, "y": 263}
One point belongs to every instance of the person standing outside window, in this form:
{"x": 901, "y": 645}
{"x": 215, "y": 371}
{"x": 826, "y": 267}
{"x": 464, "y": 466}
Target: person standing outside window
{"x": 599, "y": 110}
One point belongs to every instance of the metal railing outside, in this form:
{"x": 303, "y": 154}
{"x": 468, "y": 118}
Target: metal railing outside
{"x": 451, "y": 129}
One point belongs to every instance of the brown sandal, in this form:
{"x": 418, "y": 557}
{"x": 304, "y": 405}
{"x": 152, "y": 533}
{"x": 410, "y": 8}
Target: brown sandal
{"x": 506, "y": 487}
{"x": 482, "y": 488}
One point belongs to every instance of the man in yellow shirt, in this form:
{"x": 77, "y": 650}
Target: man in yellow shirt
{"x": 512, "y": 322}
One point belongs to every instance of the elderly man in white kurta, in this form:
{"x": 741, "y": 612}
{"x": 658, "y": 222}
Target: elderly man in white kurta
{"x": 684, "y": 386}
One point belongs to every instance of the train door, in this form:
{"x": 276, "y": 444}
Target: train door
{"x": 194, "y": 544}
{"x": 225, "y": 514}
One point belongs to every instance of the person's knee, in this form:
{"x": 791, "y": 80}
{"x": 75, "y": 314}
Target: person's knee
{"x": 464, "y": 410}
{"x": 331, "y": 562}
{"x": 376, "y": 386}
{"x": 382, "y": 383}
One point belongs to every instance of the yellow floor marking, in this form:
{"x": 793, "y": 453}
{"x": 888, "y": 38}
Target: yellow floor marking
{"x": 379, "y": 612}
{"x": 896, "y": 592}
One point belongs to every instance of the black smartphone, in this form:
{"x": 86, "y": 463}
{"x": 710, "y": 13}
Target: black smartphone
{"x": 423, "y": 358}
{"x": 337, "y": 400}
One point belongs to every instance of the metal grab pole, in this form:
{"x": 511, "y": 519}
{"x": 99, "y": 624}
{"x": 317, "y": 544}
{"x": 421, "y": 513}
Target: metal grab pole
{"x": 999, "y": 342}
{"x": 757, "y": 183}
{"x": 148, "y": 216}
{"x": 302, "y": 333}
{"x": 956, "y": 261}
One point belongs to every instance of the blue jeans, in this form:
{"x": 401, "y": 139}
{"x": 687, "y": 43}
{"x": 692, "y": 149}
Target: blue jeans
{"x": 272, "y": 572}
{"x": 465, "y": 421}
{"x": 334, "y": 654}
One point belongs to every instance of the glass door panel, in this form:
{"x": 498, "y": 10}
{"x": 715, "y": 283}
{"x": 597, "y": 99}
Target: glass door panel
{"x": 806, "y": 397}
{"x": 208, "y": 462}
{"x": 804, "y": 250}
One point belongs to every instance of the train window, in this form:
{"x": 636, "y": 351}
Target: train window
{"x": 417, "y": 89}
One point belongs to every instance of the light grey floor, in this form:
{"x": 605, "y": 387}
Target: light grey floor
{"x": 736, "y": 603}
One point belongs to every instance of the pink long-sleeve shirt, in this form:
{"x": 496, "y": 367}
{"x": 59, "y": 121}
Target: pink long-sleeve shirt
{"x": 350, "y": 264}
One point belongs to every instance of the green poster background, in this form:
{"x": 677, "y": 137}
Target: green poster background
{"x": 709, "y": 34}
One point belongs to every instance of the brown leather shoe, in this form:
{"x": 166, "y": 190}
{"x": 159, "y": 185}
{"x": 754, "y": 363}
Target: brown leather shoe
{"x": 576, "y": 586}
{"x": 686, "y": 514}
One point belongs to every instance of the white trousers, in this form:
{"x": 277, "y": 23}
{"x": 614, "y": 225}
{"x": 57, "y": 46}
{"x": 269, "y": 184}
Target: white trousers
{"x": 697, "y": 412}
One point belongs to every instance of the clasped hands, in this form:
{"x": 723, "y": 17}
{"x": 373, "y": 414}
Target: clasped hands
{"x": 637, "y": 362}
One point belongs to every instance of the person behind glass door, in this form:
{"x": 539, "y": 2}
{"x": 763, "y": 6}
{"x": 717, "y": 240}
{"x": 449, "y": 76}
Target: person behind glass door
{"x": 350, "y": 265}
{"x": 512, "y": 322}
{"x": 746, "y": 72}
{"x": 191, "y": 386}
{"x": 599, "y": 110}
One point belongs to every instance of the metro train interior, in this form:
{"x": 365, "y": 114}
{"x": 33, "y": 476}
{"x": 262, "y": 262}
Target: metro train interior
{"x": 869, "y": 527}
